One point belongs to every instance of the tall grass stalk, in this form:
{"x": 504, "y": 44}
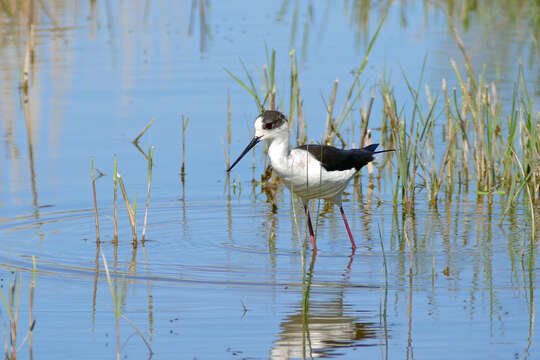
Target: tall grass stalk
{"x": 330, "y": 127}
{"x": 365, "y": 120}
{"x": 294, "y": 88}
{"x": 461, "y": 46}
{"x": 301, "y": 131}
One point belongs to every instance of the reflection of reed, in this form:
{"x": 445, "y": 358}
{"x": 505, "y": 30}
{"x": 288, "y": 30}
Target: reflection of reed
{"x": 295, "y": 17}
{"x": 271, "y": 225}
{"x": 408, "y": 232}
{"x": 32, "y": 321}
{"x": 204, "y": 27}
{"x": 531, "y": 271}
{"x": 118, "y": 300}
{"x": 28, "y": 122}
{"x": 94, "y": 292}
{"x": 150, "y": 301}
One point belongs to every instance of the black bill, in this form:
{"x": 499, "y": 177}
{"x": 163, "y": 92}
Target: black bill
{"x": 253, "y": 142}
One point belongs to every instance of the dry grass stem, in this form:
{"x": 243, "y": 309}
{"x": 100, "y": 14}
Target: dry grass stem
{"x": 138, "y": 137}
{"x": 131, "y": 213}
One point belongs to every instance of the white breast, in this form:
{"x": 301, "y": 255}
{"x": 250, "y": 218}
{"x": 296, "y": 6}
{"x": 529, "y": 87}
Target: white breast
{"x": 304, "y": 175}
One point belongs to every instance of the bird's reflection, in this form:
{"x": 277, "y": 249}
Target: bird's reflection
{"x": 322, "y": 326}
{"x": 329, "y": 330}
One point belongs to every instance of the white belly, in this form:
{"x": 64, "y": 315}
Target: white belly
{"x": 304, "y": 176}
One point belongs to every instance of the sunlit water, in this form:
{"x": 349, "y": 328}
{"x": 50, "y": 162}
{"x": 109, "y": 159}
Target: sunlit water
{"x": 221, "y": 274}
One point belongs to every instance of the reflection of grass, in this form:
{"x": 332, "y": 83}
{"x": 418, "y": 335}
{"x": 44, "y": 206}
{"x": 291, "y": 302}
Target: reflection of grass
{"x": 204, "y": 27}
{"x": 384, "y": 309}
{"x": 11, "y": 307}
{"x": 307, "y": 278}
{"x": 118, "y": 299}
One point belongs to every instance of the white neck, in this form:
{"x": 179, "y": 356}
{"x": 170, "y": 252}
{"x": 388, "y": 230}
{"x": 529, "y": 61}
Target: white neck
{"x": 278, "y": 150}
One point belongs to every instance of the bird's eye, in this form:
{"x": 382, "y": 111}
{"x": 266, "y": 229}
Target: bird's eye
{"x": 267, "y": 126}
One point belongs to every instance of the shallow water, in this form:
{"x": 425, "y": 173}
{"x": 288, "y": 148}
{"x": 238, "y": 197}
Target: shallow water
{"x": 223, "y": 275}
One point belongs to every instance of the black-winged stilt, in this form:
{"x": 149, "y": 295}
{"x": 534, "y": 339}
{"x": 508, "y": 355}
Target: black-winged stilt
{"x": 309, "y": 171}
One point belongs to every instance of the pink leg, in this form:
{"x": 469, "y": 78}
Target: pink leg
{"x": 311, "y": 234}
{"x": 348, "y": 228}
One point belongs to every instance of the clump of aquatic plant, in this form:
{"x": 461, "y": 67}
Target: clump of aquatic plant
{"x": 131, "y": 206}
{"x": 483, "y": 148}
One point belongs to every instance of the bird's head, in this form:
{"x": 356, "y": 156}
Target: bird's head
{"x": 271, "y": 124}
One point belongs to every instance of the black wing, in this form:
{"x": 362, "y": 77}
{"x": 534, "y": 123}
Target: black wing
{"x": 334, "y": 159}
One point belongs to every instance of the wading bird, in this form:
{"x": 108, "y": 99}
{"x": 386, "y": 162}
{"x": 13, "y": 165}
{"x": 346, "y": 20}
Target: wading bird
{"x": 310, "y": 171}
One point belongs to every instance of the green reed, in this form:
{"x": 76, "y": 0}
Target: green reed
{"x": 498, "y": 152}
{"x": 479, "y": 142}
